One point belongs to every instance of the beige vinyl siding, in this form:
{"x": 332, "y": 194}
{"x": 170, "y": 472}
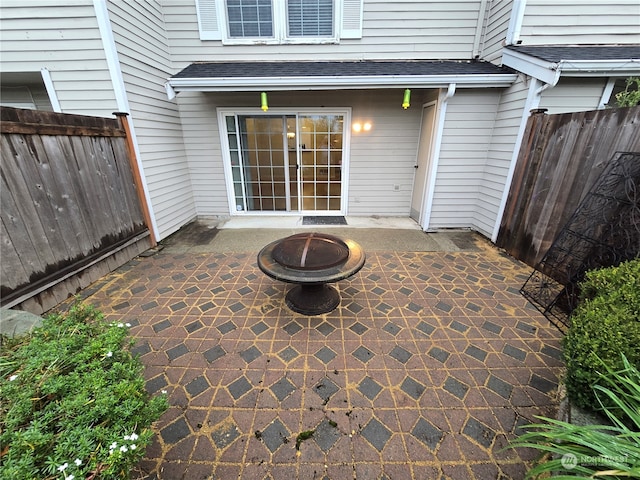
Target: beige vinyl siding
{"x": 581, "y": 21}
{"x": 499, "y": 157}
{"x": 391, "y": 30}
{"x": 143, "y": 53}
{"x": 469, "y": 123}
{"x": 573, "y": 95}
{"x": 380, "y": 159}
{"x": 65, "y": 39}
{"x": 498, "y": 16}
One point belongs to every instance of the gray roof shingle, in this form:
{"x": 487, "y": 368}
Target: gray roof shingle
{"x": 365, "y": 68}
{"x": 557, "y": 53}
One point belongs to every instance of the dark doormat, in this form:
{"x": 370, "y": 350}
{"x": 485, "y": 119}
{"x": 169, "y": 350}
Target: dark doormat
{"x": 323, "y": 220}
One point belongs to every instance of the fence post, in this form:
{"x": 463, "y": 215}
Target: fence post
{"x": 137, "y": 177}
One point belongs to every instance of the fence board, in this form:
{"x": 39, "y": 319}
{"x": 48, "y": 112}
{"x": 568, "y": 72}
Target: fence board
{"x": 69, "y": 200}
{"x": 560, "y": 159}
{"x": 27, "y": 202}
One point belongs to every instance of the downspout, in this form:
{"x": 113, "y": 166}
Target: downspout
{"x": 442, "y": 113}
{"x": 606, "y": 93}
{"x": 515, "y": 22}
{"x": 51, "y": 91}
{"x": 111, "y": 54}
{"x": 480, "y": 28}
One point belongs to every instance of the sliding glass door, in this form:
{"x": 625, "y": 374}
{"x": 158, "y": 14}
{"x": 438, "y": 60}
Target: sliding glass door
{"x": 286, "y": 163}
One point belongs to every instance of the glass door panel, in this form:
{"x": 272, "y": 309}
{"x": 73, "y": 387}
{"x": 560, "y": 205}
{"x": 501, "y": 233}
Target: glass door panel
{"x": 264, "y": 159}
{"x": 321, "y": 151}
{"x": 286, "y": 162}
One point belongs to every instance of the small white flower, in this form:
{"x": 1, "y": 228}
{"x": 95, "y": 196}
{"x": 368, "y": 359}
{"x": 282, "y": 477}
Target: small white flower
{"x": 114, "y": 445}
{"x": 12, "y": 378}
{"x": 134, "y": 436}
{"x": 78, "y": 462}
{"x": 128, "y": 324}
{"x": 123, "y": 448}
{"x": 109, "y": 354}
{"x": 63, "y": 467}
{"x": 164, "y": 392}
{"x": 127, "y": 437}
{"x": 120, "y": 324}
{"x": 133, "y": 446}
{"x": 70, "y": 477}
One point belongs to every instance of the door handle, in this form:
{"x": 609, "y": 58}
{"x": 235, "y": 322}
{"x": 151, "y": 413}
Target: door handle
{"x": 415, "y": 166}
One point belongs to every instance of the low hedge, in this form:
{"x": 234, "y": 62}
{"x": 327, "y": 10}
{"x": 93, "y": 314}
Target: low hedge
{"x": 604, "y": 327}
{"x": 73, "y": 402}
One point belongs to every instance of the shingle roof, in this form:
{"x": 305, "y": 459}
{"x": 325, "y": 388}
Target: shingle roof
{"x": 366, "y": 68}
{"x": 557, "y": 53}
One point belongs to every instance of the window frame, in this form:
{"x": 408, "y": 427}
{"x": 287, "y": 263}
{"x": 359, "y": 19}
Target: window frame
{"x": 279, "y": 9}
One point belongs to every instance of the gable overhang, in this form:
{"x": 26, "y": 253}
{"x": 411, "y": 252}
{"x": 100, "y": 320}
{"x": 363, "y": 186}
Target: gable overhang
{"x": 550, "y": 72}
{"x": 349, "y": 75}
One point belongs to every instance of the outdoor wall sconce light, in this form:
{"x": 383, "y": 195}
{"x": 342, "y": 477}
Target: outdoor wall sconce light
{"x": 407, "y": 99}
{"x": 361, "y": 127}
{"x": 263, "y": 102}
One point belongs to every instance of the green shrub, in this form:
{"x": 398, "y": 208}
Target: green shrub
{"x": 73, "y": 402}
{"x": 630, "y": 96}
{"x": 604, "y": 326}
{"x": 592, "y": 451}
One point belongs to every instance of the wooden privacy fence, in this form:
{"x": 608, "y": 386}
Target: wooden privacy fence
{"x": 71, "y": 209}
{"x": 560, "y": 159}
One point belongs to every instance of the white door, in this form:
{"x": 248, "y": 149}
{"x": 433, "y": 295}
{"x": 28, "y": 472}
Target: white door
{"x": 422, "y": 163}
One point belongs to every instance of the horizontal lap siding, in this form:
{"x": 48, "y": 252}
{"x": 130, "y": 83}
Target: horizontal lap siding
{"x": 505, "y": 132}
{"x": 144, "y": 59}
{"x": 580, "y": 21}
{"x": 379, "y": 159}
{"x": 66, "y": 40}
{"x": 469, "y": 122}
{"x": 391, "y": 30}
{"x": 573, "y": 95}
{"x": 498, "y": 17}
{"x": 385, "y": 156}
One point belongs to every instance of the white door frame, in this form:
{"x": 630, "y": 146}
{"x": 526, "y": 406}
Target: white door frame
{"x": 280, "y": 111}
{"x": 422, "y": 165}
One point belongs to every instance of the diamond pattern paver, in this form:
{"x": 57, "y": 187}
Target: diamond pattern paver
{"x": 426, "y": 369}
{"x": 239, "y": 387}
{"x": 369, "y": 388}
{"x": 282, "y": 388}
{"x": 325, "y": 389}
{"x": 427, "y": 433}
{"x": 275, "y": 435}
{"x": 412, "y": 388}
{"x": 326, "y": 435}
{"x": 376, "y": 433}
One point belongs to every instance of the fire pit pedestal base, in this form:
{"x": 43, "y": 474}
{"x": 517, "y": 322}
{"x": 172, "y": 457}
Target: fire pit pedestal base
{"x": 311, "y": 261}
{"x": 312, "y": 299}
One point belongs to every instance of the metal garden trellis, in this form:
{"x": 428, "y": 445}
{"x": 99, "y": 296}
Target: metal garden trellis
{"x": 603, "y": 231}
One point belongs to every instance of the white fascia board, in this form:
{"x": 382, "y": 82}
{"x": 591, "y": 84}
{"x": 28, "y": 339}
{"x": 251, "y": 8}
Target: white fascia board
{"x": 547, "y": 72}
{"x": 234, "y": 84}
{"x": 550, "y": 72}
{"x": 587, "y": 68}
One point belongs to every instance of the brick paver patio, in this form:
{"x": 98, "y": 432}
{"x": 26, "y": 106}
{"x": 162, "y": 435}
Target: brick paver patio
{"x": 425, "y": 371}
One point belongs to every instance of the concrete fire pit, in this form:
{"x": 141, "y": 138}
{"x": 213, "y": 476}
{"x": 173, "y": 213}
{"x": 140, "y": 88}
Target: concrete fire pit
{"x": 311, "y": 261}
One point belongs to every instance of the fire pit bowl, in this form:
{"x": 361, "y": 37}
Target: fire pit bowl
{"x": 311, "y": 260}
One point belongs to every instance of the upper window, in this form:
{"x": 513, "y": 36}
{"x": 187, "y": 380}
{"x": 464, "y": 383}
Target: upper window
{"x": 249, "y": 18}
{"x": 310, "y": 18}
{"x": 277, "y": 21}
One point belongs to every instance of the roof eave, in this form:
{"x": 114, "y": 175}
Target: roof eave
{"x": 550, "y": 72}
{"x": 251, "y": 84}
